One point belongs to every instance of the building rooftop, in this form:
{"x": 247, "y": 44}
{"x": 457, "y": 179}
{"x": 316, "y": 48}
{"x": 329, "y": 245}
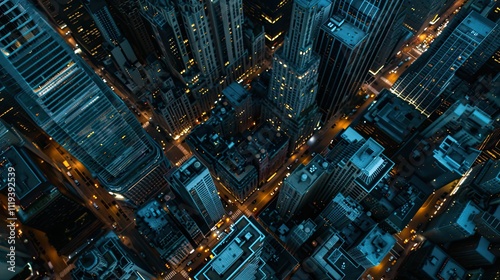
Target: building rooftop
{"x": 236, "y": 164}
{"x": 28, "y": 175}
{"x": 235, "y": 94}
{"x": 476, "y": 26}
{"x": 305, "y": 176}
{"x": 438, "y": 265}
{"x": 454, "y": 156}
{"x": 467, "y": 124}
{"x": 344, "y": 31}
{"x": 262, "y": 142}
{"x": 188, "y": 171}
{"x": 373, "y": 164}
{"x": 350, "y": 135}
{"x": 234, "y": 252}
{"x": 352, "y": 208}
{"x": 334, "y": 260}
{"x": 394, "y": 117}
{"x": 376, "y": 245}
{"x": 465, "y": 219}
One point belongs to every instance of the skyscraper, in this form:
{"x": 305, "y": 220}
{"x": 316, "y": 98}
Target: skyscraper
{"x": 359, "y": 165}
{"x": 419, "y": 13}
{"x": 75, "y": 16}
{"x": 300, "y": 188}
{"x": 425, "y": 80}
{"x": 72, "y": 105}
{"x": 291, "y": 104}
{"x": 349, "y": 44}
{"x": 195, "y": 185}
{"x": 456, "y": 223}
{"x": 273, "y": 15}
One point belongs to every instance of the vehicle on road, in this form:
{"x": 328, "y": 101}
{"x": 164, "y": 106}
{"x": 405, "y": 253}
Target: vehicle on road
{"x": 66, "y": 164}
{"x": 95, "y": 205}
{"x": 76, "y": 182}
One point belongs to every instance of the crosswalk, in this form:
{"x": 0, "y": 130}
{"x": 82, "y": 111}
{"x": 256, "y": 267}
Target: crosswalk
{"x": 248, "y": 212}
{"x": 185, "y": 274}
{"x": 236, "y": 215}
{"x": 170, "y": 275}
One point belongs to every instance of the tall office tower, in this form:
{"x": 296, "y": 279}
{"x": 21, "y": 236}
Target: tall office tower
{"x": 340, "y": 212}
{"x": 488, "y": 224}
{"x": 66, "y": 223}
{"x": 72, "y": 104}
{"x": 299, "y": 235}
{"x": 241, "y": 100}
{"x": 105, "y": 22}
{"x": 201, "y": 38}
{"x": 370, "y": 250}
{"x": 170, "y": 35}
{"x": 273, "y": 15}
{"x": 128, "y": 16}
{"x": 237, "y": 173}
{"x": 227, "y": 21}
{"x": 255, "y": 41}
{"x": 238, "y": 255}
{"x": 359, "y": 165}
{"x": 472, "y": 252}
{"x": 300, "y": 188}
{"x": 468, "y": 124}
{"x": 195, "y": 185}
{"x": 419, "y": 13}
{"x": 291, "y": 104}
{"x": 178, "y": 109}
{"x": 423, "y": 83}
{"x": 488, "y": 179}
{"x": 431, "y": 262}
{"x": 350, "y": 42}
{"x": 454, "y": 224}
{"x": 108, "y": 258}
{"x": 73, "y": 14}
{"x": 393, "y": 42}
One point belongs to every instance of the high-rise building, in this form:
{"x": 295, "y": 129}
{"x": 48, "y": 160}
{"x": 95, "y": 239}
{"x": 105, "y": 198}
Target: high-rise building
{"x": 238, "y": 255}
{"x": 454, "y": 224}
{"x": 43, "y": 206}
{"x": 300, "y": 188}
{"x": 128, "y": 18}
{"x": 273, "y": 15}
{"x": 473, "y": 252}
{"x": 72, "y": 104}
{"x": 488, "y": 224}
{"x": 340, "y": 212}
{"x": 488, "y": 179}
{"x": 239, "y": 98}
{"x": 431, "y": 262}
{"x": 108, "y": 258}
{"x": 423, "y": 83}
{"x": 359, "y": 165}
{"x": 372, "y": 248}
{"x": 349, "y": 43}
{"x": 467, "y": 124}
{"x": 419, "y": 13}
{"x": 291, "y": 104}
{"x": 74, "y": 15}
{"x": 105, "y": 22}
{"x": 178, "y": 109}
{"x": 194, "y": 184}
{"x": 227, "y": 22}
{"x": 299, "y": 235}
